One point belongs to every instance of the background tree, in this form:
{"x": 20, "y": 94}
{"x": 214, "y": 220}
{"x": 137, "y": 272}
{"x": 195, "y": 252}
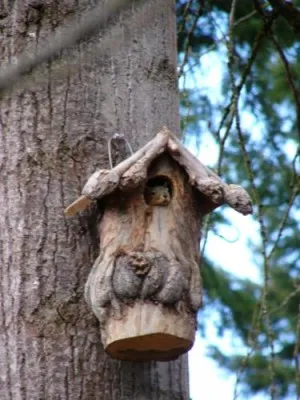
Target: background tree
{"x": 258, "y": 42}
{"x": 53, "y": 135}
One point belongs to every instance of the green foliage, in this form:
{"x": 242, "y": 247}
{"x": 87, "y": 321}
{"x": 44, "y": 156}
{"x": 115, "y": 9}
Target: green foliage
{"x": 265, "y": 317}
{"x": 256, "y": 367}
{"x": 225, "y": 289}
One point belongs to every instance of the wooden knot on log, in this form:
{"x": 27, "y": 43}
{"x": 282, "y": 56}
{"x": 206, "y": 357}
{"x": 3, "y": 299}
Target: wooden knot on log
{"x": 140, "y": 264}
{"x": 138, "y": 274}
{"x": 150, "y": 275}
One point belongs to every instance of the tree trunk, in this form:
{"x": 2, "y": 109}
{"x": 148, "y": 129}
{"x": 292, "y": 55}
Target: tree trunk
{"x": 53, "y": 135}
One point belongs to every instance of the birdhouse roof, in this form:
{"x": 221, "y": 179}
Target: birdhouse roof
{"x": 132, "y": 172}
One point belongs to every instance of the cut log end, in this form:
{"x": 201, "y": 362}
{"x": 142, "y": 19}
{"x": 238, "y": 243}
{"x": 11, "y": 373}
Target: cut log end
{"x": 153, "y": 347}
{"x": 149, "y": 332}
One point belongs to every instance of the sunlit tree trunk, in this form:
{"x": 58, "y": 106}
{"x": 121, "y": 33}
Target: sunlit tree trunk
{"x": 53, "y": 135}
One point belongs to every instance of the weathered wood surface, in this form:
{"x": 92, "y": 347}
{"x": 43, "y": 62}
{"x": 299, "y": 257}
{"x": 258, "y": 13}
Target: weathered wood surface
{"x": 133, "y": 171}
{"x": 149, "y": 255}
{"x": 149, "y": 250}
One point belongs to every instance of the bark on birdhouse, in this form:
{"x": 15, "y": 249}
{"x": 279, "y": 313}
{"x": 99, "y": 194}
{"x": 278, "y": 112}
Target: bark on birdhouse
{"x": 145, "y": 286}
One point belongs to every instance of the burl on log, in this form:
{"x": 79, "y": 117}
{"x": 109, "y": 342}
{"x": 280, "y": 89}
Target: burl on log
{"x": 145, "y": 286}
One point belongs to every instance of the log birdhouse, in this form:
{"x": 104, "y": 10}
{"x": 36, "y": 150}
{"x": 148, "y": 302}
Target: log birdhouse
{"x": 145, "y": 286}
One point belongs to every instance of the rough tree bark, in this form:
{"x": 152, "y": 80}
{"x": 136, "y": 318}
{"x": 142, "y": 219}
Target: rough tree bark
{"x": 53, "y": 135}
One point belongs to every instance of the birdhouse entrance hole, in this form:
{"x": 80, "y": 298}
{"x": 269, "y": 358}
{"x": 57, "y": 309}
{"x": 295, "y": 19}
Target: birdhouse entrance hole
{"x": 158, "y": 191}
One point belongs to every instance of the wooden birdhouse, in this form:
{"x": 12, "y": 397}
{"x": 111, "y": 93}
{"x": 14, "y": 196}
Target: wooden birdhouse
{"x": 145, "y": 286}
